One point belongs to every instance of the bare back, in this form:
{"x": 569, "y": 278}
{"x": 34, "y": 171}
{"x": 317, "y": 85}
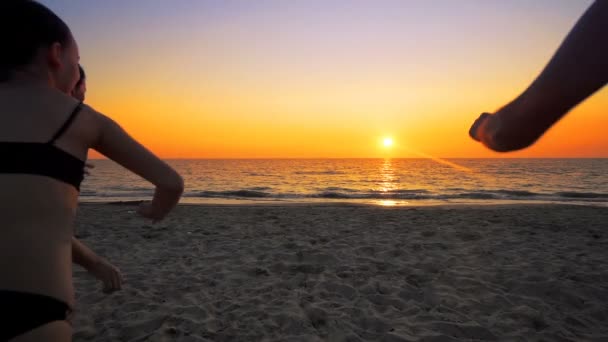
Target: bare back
{"x": 37, "y": 212}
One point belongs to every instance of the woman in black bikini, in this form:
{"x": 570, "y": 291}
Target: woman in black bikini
{"x": 44, "y": 138}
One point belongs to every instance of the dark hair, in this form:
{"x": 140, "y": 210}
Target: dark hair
{"x": 83, "y": 76}
{"x": 26, "y": 26}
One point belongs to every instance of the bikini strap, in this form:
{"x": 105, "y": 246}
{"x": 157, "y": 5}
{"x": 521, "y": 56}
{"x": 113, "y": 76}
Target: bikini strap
{"x": 67, "y": 123}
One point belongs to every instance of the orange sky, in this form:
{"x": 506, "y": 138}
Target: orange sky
{"x": 273, "y": 79}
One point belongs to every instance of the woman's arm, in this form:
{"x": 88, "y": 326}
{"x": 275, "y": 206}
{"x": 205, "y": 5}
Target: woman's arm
{"x": 97, "y": 266}
{"x": 82, "y": 255}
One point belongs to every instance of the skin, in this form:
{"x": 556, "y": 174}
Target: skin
{"x": 38, "y": 211}
{"x": 578, "y": 69}
{"x": 80, "y": 90}
{"x": 108, "y": 274}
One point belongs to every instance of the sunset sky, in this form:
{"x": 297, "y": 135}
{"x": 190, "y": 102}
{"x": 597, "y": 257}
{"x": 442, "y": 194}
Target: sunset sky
{"x": 323, "y": 78}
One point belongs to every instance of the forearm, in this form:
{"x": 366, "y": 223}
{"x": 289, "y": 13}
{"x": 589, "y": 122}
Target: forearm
{"x": 578, "y": 69}
{"x": 82, "y": 255}
{"x": 166, "y": 196}
{"x": 115, "y": 143}
{"x": 165, "y": 200}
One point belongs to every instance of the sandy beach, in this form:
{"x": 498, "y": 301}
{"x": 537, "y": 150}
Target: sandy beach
{"x": 348, "y": 273}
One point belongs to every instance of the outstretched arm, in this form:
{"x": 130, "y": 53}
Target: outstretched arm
{"x": 578, "y": 69}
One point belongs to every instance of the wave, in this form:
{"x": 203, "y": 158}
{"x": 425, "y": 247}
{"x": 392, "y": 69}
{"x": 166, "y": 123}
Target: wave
{"x": 260, "y": 188}
{"x": 337, "y": 188}
{"x": 574, "y": 194}
{"x": 520, "y": 193}
{"x": 128, "y": 188}
{"x": 120, "y": 194}
{"x": 230, "y": 194}
{"x": 326, "y": 172}
{"x": 354, "y": 194}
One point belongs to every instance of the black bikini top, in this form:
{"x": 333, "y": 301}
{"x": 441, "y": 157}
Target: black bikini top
{"x": 44, "y": 159}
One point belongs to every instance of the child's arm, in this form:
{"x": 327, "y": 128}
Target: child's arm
{"x": 577, "y": 70}
{"x": 117, "y": 145}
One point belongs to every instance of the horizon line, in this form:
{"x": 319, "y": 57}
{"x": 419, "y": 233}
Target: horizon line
{"x": 334, "y": 158}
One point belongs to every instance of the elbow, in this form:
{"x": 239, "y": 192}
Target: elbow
{"x": 178, "y": 184}
{"x": 174, "y": 184}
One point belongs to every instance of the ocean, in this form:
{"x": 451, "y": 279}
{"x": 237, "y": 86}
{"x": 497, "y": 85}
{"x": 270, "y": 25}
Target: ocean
{"x": 370, "y": 181}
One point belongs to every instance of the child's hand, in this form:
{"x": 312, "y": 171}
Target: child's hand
{"x": 87, "y": 168}
{"x": 496, "y": 133}
{"x": 108, "y": 274}
{"x": 474, "y": 130}
{"x": 146, "y": 210}
{"x": 513, "y": 127}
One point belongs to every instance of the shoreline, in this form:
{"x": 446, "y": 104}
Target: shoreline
{"x": 380, "y": 204}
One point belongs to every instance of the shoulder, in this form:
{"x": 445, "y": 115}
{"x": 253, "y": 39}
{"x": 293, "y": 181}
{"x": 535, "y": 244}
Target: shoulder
{"x": 95, "y": 117}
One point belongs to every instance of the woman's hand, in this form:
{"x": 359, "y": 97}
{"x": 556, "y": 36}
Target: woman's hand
{"x": 108, "y": 274}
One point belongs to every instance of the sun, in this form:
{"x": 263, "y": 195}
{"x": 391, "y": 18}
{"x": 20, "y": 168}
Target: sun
{"x": 387, "y": 142}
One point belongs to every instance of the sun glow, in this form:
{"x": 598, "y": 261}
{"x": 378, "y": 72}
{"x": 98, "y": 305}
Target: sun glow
{"x": 387, "y": 142}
